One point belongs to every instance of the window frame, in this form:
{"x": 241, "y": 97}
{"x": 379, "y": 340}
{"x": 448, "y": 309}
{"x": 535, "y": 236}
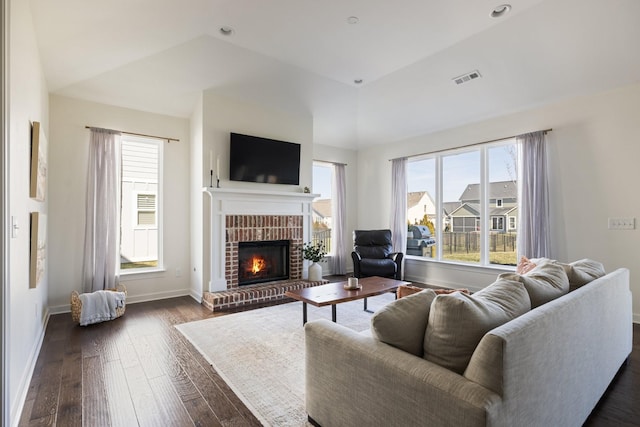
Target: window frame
{"x": 137, "y": 210}
{"x": 485, "y": 204}
{"x": 328, "y": 165}
{"x": 159, "y": 214}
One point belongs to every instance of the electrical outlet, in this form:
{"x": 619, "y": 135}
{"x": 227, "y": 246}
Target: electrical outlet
{"x": 622, "y": 223}
{"x": 178, "y": 272}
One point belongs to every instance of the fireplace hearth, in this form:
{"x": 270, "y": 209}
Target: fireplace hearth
{"x": 263, "y": 261}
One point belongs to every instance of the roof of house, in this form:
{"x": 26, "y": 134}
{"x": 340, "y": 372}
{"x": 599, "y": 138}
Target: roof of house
{"x": 413, "y": 198}
{"x": 497, "y": 190}
{"x": 449, "y": 207}
{"x": 322, "y": 207}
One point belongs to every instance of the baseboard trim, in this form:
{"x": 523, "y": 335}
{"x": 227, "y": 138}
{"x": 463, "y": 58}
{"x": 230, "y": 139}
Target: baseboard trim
{"x": 23, "y": 388}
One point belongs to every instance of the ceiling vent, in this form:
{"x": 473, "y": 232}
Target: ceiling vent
{"x": 475, "y": 74}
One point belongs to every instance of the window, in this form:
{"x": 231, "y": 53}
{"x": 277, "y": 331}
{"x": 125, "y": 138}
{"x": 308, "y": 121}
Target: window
{"x": 477, "y": 198}
{"x": 140, "y": 214}
{"x": 146, "y": 210}
{"x": 322, "y": 206}
{"x": 497, "y": 223}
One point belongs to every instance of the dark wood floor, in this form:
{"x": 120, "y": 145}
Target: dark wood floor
{"x": 139, "y": 370}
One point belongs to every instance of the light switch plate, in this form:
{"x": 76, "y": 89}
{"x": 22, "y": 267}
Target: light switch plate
{"x": 622, "y": 223}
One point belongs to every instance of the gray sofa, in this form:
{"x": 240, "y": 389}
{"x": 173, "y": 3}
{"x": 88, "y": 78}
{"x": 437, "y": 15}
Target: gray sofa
{"x": 547, "y": 367}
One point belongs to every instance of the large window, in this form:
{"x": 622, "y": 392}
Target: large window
{"x": 322, "y": 206}
{"x": 467, "y": 199}
{"x": 140, "y": 195}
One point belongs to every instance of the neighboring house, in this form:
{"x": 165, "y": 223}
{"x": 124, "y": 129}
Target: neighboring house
{"x": 139, "y": 219}
{"x": 419, "y": 204}
{"x": 447, "y": 209}
{"x": 321, "y": 212}
{"x": 503, "y": 208}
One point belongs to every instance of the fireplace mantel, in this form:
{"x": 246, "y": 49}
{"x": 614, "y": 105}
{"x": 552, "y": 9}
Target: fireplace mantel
{"x": 233, "y": 201}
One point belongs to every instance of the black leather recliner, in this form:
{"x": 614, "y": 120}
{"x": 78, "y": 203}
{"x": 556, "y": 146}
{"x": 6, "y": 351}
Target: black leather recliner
{"x": 373, "y": 255}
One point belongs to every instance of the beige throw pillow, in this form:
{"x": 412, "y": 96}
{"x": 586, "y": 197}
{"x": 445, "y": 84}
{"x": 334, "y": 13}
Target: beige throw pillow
{"x": 545, "y": 282}
{"x": 402, "y": 323}
{"x": 584, "y": 271}
{"x": 457, "y": 322}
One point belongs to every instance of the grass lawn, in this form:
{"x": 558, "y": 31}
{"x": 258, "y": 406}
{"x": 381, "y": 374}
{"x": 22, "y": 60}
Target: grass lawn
{"x": 500, "y": 258}
{"x": 142, "y": 264}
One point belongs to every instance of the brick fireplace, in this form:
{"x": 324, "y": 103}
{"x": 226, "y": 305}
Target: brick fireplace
{"x": 254, "y": 216}
{"x": 262, "y": 228}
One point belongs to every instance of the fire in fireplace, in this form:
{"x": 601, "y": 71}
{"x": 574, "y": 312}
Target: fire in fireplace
{"x": 263, "y": 261}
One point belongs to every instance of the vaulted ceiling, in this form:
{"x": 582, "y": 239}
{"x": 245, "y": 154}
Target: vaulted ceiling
{"x": 305, "y": 56}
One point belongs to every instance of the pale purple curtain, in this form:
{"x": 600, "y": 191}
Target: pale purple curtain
{"x": 339, "y": 215}
{"x": 101, "y": 227}
{"x": 399, "y": 204}
{"x": 533, "y": 223}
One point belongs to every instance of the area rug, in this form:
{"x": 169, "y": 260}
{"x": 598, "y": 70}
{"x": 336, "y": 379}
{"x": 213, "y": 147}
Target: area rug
{"x": 260, "y": 353}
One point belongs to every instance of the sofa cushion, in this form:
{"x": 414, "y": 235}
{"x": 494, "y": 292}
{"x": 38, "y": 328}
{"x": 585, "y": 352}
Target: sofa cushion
{"x": 457, "y": 322}
{"x": 405, "y": 290}
{"x": 583, "y": 271}
{"x": 545, "y": 282}
{"x": 377, "y": 267}
{"x": 402, "y": 323}
{"x": 579, "y": 272}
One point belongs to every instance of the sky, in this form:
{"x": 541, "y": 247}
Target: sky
{"x": 459, "y": 170}
{"x": 322, "y": 181}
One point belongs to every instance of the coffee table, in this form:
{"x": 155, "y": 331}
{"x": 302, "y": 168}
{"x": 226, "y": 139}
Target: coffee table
{"x": 335, "y": 293}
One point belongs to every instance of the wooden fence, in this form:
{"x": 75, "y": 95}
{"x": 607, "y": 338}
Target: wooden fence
{"x": 469, "y": 242}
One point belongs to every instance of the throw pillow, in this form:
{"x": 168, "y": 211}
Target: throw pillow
{"x": 402, "y": 323}
{"x": 584, "y": 271}
{"x": 457, "y": 322}
{"x": 545, "y": 282}
{"x": 525, "y": 265}
{"x": 405, "y": 290}
{"x": 449, "y": 291}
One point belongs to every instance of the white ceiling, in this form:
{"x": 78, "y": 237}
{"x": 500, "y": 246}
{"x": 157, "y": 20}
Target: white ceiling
{"x": 303, "y": 56}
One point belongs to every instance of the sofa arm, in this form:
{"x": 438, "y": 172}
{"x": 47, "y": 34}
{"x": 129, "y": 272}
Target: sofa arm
{"x": 397, "y": 258}
{"x": 354, "y": 379}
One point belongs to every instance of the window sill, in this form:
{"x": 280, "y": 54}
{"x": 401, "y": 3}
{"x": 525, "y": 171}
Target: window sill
{"x": 140, "y": 273}
{"x": 463, "y": 265}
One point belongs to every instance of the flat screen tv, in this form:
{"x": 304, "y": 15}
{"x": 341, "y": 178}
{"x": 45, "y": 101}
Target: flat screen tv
{"x": 255, "y": 159}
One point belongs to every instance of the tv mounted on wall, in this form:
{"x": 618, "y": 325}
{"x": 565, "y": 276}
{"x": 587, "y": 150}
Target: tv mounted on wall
{"x": 255, "y": 159}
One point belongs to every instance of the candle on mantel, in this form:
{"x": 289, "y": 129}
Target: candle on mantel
{"x": 218, "y": 167}
{"x": 211, "y": 160}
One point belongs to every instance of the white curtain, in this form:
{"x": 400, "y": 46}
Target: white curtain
{"x": 533, "y": 223}
{"x": 399, "y": 204}
{"x": 339, "y": 215}
{"x": 101, "y": 227}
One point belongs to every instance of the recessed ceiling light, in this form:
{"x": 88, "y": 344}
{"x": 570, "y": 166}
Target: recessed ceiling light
{"x": 352, "y": 20}
{"x": 358, "y": 81}
{"x": 226, "y": 30}
{"x": 501, "y": 10}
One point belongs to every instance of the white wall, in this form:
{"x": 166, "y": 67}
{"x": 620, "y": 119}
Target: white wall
{"x": 224, "y": 115}
{"x": 197, "y": 203}
{"x": 68, "y": 156}
{"x": 27, "y": 103}
{"x": 350, "y": 158}
{"x": 593, "y": 169}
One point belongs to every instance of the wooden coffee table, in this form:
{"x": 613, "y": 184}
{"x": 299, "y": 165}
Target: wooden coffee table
{"x": 335, "y": 293}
